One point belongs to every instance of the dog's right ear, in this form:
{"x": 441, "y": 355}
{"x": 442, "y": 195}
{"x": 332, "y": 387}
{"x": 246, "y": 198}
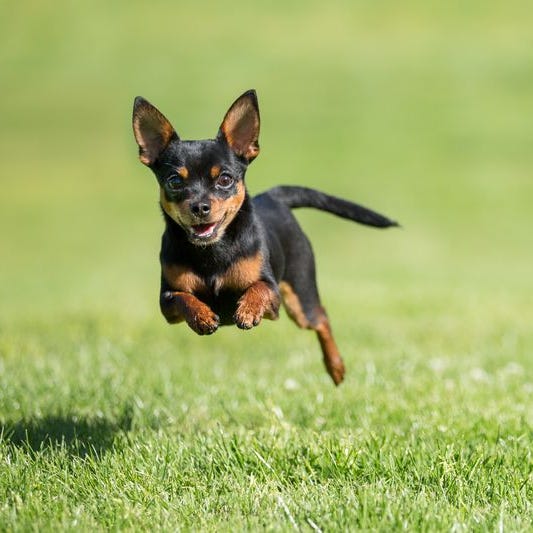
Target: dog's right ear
{"x": 152, "y": 130}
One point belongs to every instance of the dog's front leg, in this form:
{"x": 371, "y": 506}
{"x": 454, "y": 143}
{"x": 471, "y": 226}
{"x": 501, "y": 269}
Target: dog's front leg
{"x": 259, "y": 300}
{"x": 178, "y": 306}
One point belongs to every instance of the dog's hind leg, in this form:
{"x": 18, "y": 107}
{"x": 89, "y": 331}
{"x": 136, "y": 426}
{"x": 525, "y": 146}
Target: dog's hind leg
{"x": 301, "y": 300}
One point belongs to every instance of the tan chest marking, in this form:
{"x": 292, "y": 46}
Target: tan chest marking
{"x": 241, "y": 274}
{"x": 181, "y": 278}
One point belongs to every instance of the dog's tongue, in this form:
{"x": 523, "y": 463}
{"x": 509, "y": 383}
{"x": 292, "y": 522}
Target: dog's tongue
{"x": 204, "y": 230}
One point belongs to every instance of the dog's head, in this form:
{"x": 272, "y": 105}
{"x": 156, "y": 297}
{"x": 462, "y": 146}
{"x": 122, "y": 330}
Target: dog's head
{"x": 202, "y": 182}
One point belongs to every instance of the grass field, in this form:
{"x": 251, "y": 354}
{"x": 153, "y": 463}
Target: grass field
{"x": 110, "y": 419}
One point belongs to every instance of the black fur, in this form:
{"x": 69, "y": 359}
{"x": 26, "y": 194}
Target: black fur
{"x": 294, "y": 197}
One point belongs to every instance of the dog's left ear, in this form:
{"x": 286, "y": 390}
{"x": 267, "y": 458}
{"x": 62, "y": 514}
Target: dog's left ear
{"x": 240, "y": 127}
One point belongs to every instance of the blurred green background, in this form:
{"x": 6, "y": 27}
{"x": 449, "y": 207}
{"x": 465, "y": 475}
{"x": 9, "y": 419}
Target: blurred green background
{"x": 421, "y": 110}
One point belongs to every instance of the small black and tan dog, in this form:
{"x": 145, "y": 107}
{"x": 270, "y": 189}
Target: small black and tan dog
{"x": 227, "y": 258}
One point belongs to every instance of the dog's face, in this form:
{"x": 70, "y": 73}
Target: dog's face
{"x": 201, "y": 182}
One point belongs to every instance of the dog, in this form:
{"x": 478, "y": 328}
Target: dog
{"x": 227, "y": 258}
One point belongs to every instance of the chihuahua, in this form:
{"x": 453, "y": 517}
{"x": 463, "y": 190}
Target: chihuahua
{"x": 227, "y": 258}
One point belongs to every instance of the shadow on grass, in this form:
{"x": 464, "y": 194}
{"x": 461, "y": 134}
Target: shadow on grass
{"x": 78, "y": 435}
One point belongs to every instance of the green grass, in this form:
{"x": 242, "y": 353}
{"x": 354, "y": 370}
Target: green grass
{"x": 110, "y": 419}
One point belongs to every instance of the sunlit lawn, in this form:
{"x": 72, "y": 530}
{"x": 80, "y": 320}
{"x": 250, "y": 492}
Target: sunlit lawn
{"x": 113, "y": 420}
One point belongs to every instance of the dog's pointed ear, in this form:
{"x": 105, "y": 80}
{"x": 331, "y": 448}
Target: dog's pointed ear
{"x": 152, "y": 130}
{"x": 240, "y": 127}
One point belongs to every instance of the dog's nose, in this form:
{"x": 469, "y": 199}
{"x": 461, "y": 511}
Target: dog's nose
{"x": 200, "y": 209}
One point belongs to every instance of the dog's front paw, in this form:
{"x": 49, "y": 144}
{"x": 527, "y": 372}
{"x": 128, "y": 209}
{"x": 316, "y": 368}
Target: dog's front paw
{"x": 203, "y": 321}
{"x": 257, "y": 302}
{"x": 247, "y": 316}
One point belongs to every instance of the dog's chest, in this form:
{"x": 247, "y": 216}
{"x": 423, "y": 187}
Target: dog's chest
{"x": 242, "y": 273}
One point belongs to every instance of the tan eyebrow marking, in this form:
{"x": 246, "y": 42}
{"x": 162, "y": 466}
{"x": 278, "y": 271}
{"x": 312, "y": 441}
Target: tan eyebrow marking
{"x": 215, "y": 171}
{"x": 183, "y": 172}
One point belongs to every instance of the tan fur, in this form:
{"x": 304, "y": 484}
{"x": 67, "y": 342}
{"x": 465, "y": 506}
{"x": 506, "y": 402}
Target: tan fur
{"x": 197, "y": 314}
{"x": 241, "y": 274}
{"x": 183, "y": 279}
{"x": 293, "y": 305}
{"x": 241, "y": 129}
{"x": 183, "y": 172}
{"x": 320, "y": 324}
{"x": 330, "y": 352}
{"x": 224, "y": 210}
{"x": 257, "y": 302}
{"x": 152, "y": 132}
{"x": 227, "y": 209}
{"x": 171, "y": 209}
{"x": 215, "y": 171}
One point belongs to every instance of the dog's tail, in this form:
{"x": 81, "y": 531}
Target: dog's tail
{"x": 294, "y": 197}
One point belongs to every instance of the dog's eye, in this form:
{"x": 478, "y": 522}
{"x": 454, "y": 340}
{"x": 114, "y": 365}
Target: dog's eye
{"x": 225, "y": 181}
{"x": 174, "y": 183}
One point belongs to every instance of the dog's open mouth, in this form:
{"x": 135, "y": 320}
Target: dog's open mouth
{"x": 205, "y": 232}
